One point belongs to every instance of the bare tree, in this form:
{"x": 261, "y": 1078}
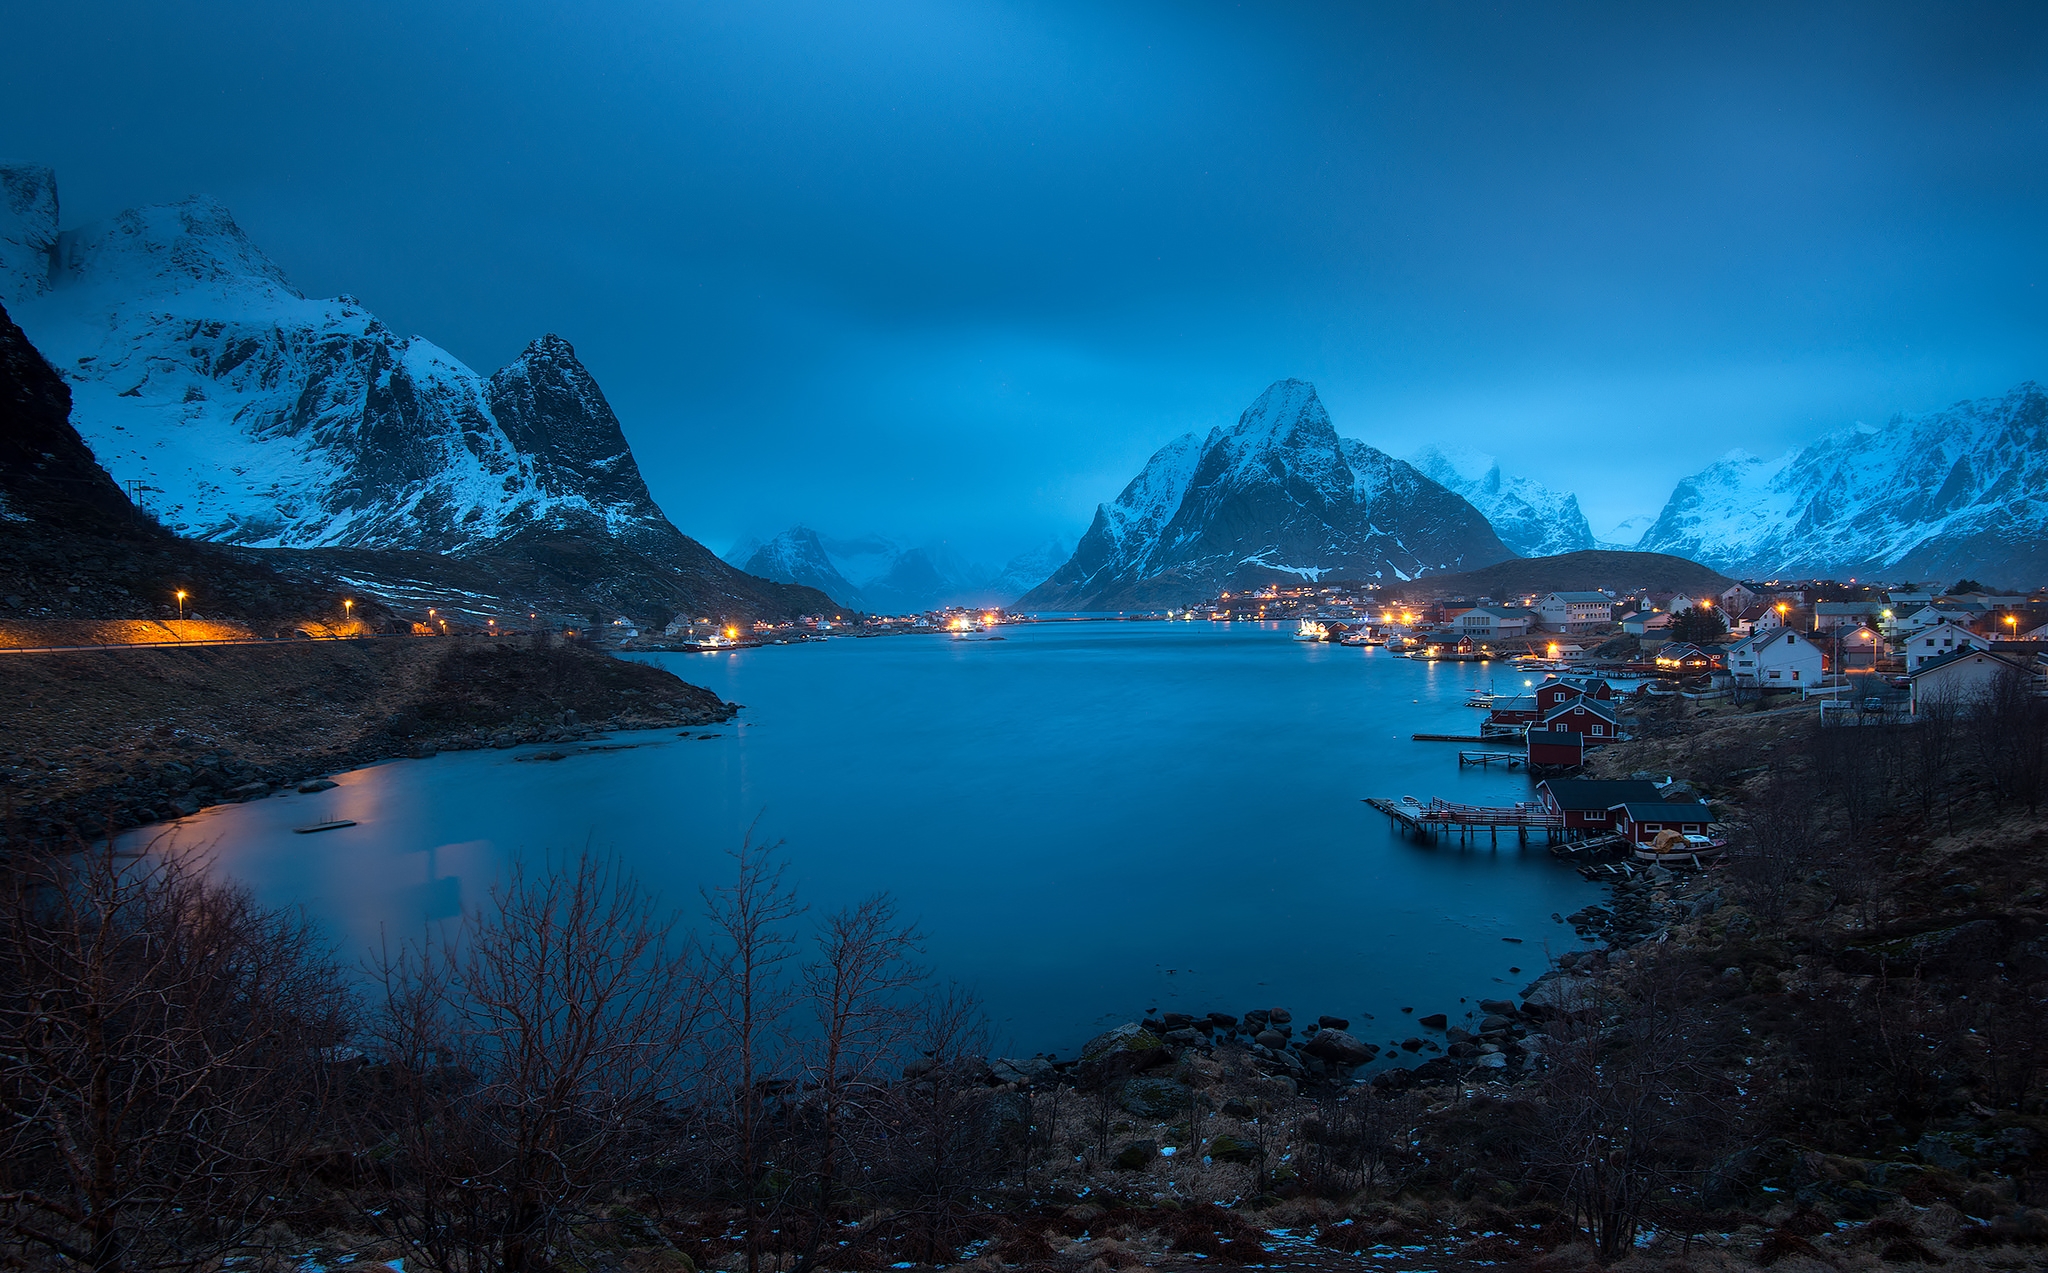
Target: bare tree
{"x": 855, "y": 991}
{"x": 161, "y": 1057}
{"x": 525, "y": 1060}
{"x": 751, "y": 996}
{"x": 943, "y": 1143}
{"x": 1776, "y": 846}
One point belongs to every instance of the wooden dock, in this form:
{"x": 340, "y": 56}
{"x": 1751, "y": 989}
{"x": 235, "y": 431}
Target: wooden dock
{"x": 1466, "y": 821}
{"x": 1512, "y": 759}
{"x": 1452, "y": 738}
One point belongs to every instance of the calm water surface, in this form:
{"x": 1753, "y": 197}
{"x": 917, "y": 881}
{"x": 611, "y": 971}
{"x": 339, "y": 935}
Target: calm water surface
{"x": 1088, "y": 819}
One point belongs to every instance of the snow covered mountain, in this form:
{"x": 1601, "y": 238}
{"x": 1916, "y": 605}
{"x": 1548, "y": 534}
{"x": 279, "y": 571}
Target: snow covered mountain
{"x": 1277, "y": 498}
{"x": 1957, "y": 492}
{"x": 1028, "y": 569}
{"x": 1626, "y": 533}
{"x": 796, "y": 556}
{"x": 247, "y": 413}
{"x": 1528, "y": 516}
{"x": 893, "y": 577}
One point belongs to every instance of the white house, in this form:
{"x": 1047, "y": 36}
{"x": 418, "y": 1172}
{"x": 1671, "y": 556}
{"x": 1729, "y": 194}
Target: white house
{"x": 1645, "y": 622}
{"x": 1493, "y": 623}
{"x": 1942, "y": 638}
{"x": 1829, "y": 615}
{"x": 1929, "y": 616}
{"x": 1737, "y": 599}
{"x": 1575, "y": 611}
{"x": 1961, "y": 675}
{"x": 1777, "y": 658}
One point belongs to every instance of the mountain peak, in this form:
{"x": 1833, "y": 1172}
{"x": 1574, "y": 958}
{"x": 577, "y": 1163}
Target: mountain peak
{"x": 1278, "y": 497}
{"x": 168, "y": 247}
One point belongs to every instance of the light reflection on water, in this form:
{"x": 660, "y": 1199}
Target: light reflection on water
{"x": 1089, "y": 820}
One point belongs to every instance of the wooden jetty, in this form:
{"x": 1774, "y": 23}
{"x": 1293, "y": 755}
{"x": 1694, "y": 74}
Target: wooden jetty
{"x": 1453, "y": 738}
{"x": 335, "y": 824}
{"x": 1512, "y": 759}
{"x": 1466, "y": 821}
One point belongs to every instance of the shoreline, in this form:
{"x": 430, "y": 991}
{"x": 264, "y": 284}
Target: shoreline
{"x": 106, "y": 741}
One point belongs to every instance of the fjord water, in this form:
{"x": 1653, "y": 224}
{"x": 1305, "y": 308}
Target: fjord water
{"x": 1088, "y": 820}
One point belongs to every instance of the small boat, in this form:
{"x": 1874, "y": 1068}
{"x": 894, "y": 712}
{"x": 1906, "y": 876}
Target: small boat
{"x": 1677, "y": 848}
{"x": 335, "y": 824}
{"x": 1311, "y": 630}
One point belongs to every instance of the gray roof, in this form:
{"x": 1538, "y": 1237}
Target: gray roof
{"x": 1656, "y": 811}
{"x": 1593, "y": 793}
{"x": 1596, "y": 598}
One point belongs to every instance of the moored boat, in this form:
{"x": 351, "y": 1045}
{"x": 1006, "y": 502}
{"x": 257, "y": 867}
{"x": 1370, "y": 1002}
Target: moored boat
{"x": 1677, "y": 848}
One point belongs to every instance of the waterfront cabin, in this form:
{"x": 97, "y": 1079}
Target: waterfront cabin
{"x": 1584, "y": 715}
{"x": 1521, "y": 709}
{"x": 1556, "y": 749}
{"x": 1585, "y": 803}
{"x": 1565, "y": 689}
{"x": 1640, "y": 821}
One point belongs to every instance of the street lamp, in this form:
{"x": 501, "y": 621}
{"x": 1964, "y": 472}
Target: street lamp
{"x": 181, "y": 603}
{"x": 2012, "y": 623}
{"x": 348, "y": 610}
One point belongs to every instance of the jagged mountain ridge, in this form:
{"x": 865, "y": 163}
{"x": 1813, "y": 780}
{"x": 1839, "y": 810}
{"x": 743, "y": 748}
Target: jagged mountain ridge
{"x": 73, "y": 546}
{"x": 1529, "y": 517}
{"x": 1278, "y": 497}
{"x": 1962, "y": 491}
{"x": 251, "y": 415}
{"x": 797, "y": 556}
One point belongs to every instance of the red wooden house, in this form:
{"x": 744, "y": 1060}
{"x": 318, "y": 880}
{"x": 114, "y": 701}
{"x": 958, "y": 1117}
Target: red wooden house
{"x": 1640, "y": 820}
{"x": 1590, "y": 716}
{"x": 1586, "y": 804}
{"x": 1555, "y": 750}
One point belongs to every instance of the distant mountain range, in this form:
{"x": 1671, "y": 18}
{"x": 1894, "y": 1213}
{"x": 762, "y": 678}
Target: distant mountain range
{"x": 1963, "y": 491}
{"x": 1279, "y": 497}
{"x": 1528, "y": 516}
{"x": 243, "y": 412}
{"x": 895, "y": 578}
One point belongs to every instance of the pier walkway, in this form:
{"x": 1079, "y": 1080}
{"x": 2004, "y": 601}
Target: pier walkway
{"x": 1442, "y": 817}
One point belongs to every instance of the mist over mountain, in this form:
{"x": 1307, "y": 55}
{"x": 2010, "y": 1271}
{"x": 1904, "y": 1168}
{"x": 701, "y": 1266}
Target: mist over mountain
{"x": 1279, "y": 497}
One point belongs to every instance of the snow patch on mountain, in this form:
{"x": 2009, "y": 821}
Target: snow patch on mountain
{"x": 249, "y": 413}
{"x": 1625, "y": 534}
{"x": 1279, "y": 495}
{"x": 796, "y": 556}
{"x": 1528, "y": 516}
{"x": 1962, "y": 491}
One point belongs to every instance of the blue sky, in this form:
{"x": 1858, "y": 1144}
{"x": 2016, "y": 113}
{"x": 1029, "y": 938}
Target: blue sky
{"x": 954, "y": 270}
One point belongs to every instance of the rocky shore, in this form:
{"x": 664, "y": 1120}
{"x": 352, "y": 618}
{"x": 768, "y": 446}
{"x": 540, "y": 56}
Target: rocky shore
{"x": 123, "y": 738}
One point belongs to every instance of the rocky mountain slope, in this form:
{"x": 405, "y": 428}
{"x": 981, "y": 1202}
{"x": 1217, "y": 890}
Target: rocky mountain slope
{"x": 72, "y": 545}
{"x": 1584, "y": 571}
{"x": 244, "y": 412}
{"x": 1957, "y": 492}
{"x": 1279, "y": 497}
{"x": 1529, "y": 517}
{"x": 797, "y": 556}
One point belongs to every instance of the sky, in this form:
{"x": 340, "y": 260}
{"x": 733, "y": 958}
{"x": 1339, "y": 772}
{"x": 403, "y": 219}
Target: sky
{"x": 954, "y": 270}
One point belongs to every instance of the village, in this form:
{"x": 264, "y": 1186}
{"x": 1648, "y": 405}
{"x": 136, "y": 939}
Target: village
{"x": 1584, "y": 667}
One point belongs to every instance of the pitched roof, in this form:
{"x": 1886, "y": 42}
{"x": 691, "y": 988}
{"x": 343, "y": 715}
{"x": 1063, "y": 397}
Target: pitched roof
{"x": 1598, "y": 707}
{"x": 1658, "y": 811}
{"x": 1593, "y": 793}
{"x": 1588, "y": 598}
{"x": 1845, "y": 607}
{"x": 1960, "y": 653}
{"x": 1555, "y": 738}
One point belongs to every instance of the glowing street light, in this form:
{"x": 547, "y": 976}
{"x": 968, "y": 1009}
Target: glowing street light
{"x": 181, "y": 594}
{"x": 348, "y": 609}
